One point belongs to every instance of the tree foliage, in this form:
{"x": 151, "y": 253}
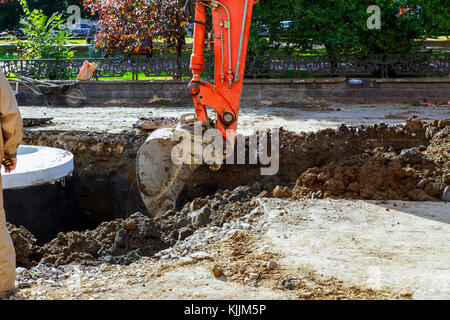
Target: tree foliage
{"x": 45, "y": 37}
{"x": 341, "y": 25}
{"x": 131, "y": 24}
{"x": 11, "y": 10}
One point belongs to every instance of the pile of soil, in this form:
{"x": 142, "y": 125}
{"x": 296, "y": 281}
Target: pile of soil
{"x": 213, "y": 210}
{"x": 124, "y": 241}
{"x": 113, "y": 242}
{"x": 24, "y": 244}
{"x": 418, "y": 174}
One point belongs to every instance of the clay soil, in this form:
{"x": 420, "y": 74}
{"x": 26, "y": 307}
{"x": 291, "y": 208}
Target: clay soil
{"x": 417, "y": 174}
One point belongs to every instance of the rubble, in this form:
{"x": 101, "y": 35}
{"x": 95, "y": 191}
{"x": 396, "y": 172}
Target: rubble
{"x": 124, "y": 241}
{"x": 36, "y": 122}
{"x": 152, "y": 123}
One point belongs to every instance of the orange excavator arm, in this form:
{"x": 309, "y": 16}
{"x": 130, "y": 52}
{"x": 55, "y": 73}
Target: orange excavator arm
{"x": 231, "y": 20}
{"x": 160, "y": 179}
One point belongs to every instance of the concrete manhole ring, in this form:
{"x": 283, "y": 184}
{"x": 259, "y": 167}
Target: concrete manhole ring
{"x": 37, "y": 165}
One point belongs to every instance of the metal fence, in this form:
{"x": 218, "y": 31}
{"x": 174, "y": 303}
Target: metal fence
{"x": 294, "y": 67}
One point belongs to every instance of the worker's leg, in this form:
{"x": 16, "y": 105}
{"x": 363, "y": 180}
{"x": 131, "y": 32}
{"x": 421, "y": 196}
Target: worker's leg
{"x": 7, "y": 253}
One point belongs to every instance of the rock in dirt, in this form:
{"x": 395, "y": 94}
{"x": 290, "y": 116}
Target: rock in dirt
{"x": 253, "y": 276}
{"x": 35, "y": 122}
{"x": 281, "y": 192}
{"x": 153, "y": 123}
{"x": 412, "y": 154}
{"x": 131, "y": 225}
{"x": 271, "y": 265}
{"x": 201, "y": 217}
{"x": 185, "y": 232}
{"x": 217, "y": 271}
{"x": 287, "y": 283}
{"x": 446, "y": 195}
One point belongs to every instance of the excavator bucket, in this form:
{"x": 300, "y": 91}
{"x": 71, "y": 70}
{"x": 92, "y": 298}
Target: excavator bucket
{"x": 160, "y": 180}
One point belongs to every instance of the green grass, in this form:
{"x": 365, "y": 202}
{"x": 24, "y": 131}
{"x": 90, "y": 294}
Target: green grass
{"x": 77, "y": 41}
{"x": 129, "y": 76}
{"x": 5, "y": 55}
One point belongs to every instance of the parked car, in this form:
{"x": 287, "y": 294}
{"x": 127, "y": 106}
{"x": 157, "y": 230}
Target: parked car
{"x": 286, "y": 24}
{"x": 80, "y": 30}
{"x": 263, "y": 30}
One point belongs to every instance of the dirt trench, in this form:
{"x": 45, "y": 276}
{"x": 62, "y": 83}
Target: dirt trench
{"x": 408, "y": 162}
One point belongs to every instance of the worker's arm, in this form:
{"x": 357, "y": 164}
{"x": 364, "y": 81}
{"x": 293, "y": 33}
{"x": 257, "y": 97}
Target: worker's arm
{"x": 10, "y": 121}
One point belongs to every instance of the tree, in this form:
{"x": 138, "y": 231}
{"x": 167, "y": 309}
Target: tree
{"x": 131, "y": 24}
{"x": 171, "y": 23}
{"x": 341, "y": 25}
{"x": 435, "y": 16}
{"x": 45, "y": 37}
{"x": 266, "y": 34}
{"x": 11, "y": 10}
{"x": 122, "y": 24}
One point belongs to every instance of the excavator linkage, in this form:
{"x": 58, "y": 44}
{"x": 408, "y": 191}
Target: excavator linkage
{"x": 160, "y": 179}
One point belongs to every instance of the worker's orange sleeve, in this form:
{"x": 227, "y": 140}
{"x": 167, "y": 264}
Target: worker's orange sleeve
{"x": 10, "y": 119}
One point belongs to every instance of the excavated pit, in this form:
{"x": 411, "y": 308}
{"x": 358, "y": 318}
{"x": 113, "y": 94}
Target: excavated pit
{"x": 38, "y": 192}
{"x": 405, "y": 162}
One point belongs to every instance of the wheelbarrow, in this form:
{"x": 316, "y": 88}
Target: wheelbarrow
{"x": 50, "y": 92}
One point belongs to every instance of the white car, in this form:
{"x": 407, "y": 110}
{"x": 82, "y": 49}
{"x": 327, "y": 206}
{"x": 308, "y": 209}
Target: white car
{"x": 286, "y": 24}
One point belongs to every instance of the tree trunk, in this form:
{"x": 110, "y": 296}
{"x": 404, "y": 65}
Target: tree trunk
{"x": 179, "y": 54}
{"x": 332, "y": 59}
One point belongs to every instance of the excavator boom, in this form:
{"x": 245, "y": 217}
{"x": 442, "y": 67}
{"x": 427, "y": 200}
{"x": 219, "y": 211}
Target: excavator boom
{"x": 160, "y": 179}
{"x": 231, "y": 20}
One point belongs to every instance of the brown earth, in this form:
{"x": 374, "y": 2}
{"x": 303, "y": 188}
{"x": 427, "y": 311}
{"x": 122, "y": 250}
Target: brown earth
{"x": 105, "y": 166}
{"x": 365, "y": 162}
{"x": 24, "y": 244}
{"x": 418, "y": 174}
{"x": 124, "y": 241}
{"x": 238, "y": 260}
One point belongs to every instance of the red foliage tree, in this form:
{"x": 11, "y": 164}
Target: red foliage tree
{"x": 128, "y": 25}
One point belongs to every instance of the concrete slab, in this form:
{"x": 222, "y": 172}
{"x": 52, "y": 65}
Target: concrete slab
{"x": 38, "y": 165}
{"x": 403, "y": 246}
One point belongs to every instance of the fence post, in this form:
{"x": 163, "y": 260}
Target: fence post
{"x": 385, "y": 67}
{"x": 135, "y": 70}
